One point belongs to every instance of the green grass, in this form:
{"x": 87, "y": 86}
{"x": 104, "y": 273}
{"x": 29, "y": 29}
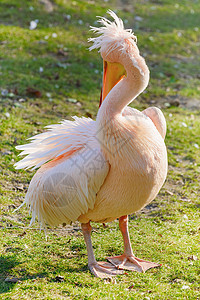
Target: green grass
{"x": 167, "y": 231}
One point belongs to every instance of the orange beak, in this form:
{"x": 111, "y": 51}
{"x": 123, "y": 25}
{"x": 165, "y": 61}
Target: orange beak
{"x": 112, "y": 74}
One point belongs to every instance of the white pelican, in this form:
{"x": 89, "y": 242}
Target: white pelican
{"x": 105, "y": 169}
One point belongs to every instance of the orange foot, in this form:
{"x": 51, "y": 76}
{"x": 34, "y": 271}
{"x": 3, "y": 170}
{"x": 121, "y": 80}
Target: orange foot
{"x": 104, "y": 269}
{"x": 132, "y": 263}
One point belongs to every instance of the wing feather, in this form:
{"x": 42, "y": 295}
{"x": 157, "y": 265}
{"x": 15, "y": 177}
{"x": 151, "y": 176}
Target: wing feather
{"x": 58, "y": 140}
{"x": 72, "y": 172}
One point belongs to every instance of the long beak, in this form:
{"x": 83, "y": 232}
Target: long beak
{"x": 112, "y": 74}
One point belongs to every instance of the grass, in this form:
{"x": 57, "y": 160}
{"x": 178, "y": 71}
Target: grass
{"x": 48, "y": 74}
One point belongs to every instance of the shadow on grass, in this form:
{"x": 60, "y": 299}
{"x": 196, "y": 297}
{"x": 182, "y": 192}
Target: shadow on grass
{"x": 8, "y": 263}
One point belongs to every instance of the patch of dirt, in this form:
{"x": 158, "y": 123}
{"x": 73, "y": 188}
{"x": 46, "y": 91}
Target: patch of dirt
{"x": 151, "y": 207}
{"x": 48, "y": 5}
{"x": 125, "y": 5}
{"x": 177, "y": 101}
{"x": 190, "y": 103}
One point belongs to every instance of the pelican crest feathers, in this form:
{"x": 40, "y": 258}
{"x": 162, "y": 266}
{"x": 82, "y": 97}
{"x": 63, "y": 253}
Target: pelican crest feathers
{"x": 112, "y": 34}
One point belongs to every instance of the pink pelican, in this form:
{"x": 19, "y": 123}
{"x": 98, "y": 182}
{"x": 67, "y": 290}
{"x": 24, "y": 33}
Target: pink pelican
{"x": 105, "y": 169}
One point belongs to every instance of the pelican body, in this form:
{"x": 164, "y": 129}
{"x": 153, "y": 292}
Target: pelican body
{"x": 105, "y": 169}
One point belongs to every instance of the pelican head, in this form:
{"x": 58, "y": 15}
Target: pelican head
{"x": 118, "y": 48}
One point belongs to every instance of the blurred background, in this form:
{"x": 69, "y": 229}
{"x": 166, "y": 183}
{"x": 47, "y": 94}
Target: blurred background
{"x": 44, "y": 48}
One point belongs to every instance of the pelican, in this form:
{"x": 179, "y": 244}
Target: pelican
{"x": 99, "y": 171}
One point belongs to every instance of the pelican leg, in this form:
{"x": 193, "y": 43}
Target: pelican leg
{"x": 99, "y": 269}
{"x": 127, "y": 260}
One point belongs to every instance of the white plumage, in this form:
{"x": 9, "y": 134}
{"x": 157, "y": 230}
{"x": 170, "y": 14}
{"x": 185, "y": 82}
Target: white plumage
{"x": 58, "y": 140}
{"x": 104, "y": 169}
{"x": 66, "y": 186}
{"x": 111, "y": 35}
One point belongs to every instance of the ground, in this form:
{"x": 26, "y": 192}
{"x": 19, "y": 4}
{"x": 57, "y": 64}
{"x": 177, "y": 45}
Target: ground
{"x": 47, "y": 74}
